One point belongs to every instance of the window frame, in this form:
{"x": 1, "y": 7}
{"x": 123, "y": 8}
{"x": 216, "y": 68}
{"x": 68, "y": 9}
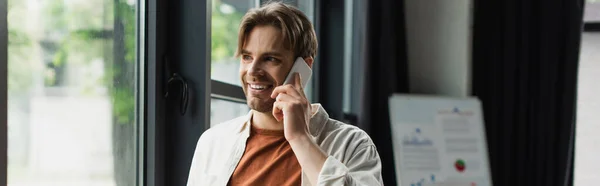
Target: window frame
{"x": 140, "y": 96}
{"x": 184, "y": 37}
{"x": 152, "y": 133}
{"x": 591, "y": 26}
{"x": 227, "y": 92}
{"x": 144, "y": 125}
{"x": 329, "y": 23}
{"x": 4, "y": 93}
{"x": 354, "y": 38}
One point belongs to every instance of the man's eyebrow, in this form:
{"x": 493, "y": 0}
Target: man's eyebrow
{"x": 277, "y": 54}
{"x": 272, "y": 53}
{"x": 244, "y": 51}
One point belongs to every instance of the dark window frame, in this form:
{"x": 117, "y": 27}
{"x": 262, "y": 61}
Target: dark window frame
{"x": 153, "y": 118}
{"x": 591, "y": 26}
{"x": 3, "y": 93}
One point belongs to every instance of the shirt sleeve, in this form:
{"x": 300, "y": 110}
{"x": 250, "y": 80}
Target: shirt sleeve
{"x": 194, "y": 166}
{"x": 363, "y": 168}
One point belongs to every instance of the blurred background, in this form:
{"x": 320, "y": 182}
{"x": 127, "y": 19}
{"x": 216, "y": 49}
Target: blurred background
{"x": 86, "y": 81}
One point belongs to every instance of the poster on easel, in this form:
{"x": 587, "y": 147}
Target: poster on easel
{"x": 439, "y": 141}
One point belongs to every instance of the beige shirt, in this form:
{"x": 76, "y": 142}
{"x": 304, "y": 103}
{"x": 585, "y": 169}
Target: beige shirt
{"x": 353, "y": 158}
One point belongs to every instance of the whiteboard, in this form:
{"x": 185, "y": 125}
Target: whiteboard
{"x": 438, "y": 141}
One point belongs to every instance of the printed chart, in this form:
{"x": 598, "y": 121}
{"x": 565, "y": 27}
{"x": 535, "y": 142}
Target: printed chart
{"x": 439, "y": 141}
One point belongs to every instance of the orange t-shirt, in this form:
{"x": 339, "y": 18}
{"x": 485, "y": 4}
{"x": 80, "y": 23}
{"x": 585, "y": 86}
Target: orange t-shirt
{"x": 267, "y": 160}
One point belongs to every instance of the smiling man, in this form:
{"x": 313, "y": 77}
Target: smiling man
{"x": 284, "y": 140}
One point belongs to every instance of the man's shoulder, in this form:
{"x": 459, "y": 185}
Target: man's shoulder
{"x": 329, "y": 132}
{"x": 346, "y": 132}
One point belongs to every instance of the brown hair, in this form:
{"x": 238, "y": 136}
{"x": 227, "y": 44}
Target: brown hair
{"x": 298, "y": 33}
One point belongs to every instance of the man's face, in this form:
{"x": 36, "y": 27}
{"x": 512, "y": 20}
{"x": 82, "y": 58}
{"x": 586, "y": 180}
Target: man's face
{"x": 264, "y": 65}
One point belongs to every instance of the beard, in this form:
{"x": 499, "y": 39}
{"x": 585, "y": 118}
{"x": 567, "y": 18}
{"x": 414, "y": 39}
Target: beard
{"x": 263, "y": 105}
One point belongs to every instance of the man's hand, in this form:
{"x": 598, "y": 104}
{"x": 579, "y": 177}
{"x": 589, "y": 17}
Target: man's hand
{"x": 292, "y": 106}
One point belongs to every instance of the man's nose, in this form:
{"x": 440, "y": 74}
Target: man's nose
{"x": 255, "y": 68}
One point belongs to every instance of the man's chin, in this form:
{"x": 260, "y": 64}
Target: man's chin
{"x": 261, "y": 105}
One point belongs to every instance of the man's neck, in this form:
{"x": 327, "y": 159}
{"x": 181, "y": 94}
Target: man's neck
{"x": 265, "y": 121}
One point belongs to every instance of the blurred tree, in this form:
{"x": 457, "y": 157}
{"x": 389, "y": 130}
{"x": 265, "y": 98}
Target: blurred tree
{"x": 123, "y": 92}
{"x": 225, "y": 25}
{"x": 19, "y": 47}
{"x": 74, "y": 34}
{"x": 110, "y": 36}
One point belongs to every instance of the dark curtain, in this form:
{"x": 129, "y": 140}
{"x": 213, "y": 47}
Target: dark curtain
{"x": 384, "y": 72}
{"x": 525, "y": 64}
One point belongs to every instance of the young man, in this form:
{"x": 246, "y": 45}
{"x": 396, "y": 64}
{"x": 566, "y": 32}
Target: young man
{"x": 284, "y": 140}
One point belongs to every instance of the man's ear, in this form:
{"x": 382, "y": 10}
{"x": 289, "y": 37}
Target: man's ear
{"x": 309, "y": 61}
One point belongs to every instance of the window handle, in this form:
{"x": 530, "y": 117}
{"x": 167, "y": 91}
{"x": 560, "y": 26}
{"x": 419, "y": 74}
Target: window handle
{"x": 177, "y": 79}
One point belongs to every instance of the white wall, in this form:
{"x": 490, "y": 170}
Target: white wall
{"x": 588, "y": 106}
{"x": 439, "y": 46}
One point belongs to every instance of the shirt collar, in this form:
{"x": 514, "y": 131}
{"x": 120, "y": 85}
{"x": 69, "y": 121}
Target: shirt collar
{"x": 317, "y": 121}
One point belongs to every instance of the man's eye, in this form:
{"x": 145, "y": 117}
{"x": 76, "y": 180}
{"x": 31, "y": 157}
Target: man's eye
{"x": 246, "y": 58}
{"x": 271, "y": 59}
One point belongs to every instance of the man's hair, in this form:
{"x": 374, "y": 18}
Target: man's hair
{"x": 297, "y": 31}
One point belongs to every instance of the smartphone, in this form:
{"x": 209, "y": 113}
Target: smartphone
{"x": 303, "y": 69}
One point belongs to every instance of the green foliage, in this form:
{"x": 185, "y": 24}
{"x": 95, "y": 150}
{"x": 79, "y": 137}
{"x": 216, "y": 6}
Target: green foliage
{"x": 123, "y": 93}
{"x": 60, "y": 58}
{"x": 19, "y": 75}
{"x": 56, "y": 15}
{"x": 84, "y": 32}
{"x": 18, "y": 38}
{"x": 77, "y": 33}
{"x": 120, "y": 85}
{"x": 224, "y": 32}
{"x": 19, "y": 47}
{"x": 123, "y": 105}
{"x": 126, "y": 15}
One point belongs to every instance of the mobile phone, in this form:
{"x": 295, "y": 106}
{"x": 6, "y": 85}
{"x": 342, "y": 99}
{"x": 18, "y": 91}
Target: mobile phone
{"x": 303, "y": 69}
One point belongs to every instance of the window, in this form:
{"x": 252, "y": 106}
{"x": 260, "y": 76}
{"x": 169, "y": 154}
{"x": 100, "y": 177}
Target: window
{"x": 588, "y": 103}
{"x": 72, "y": 85}
{"x": 592, "y": 11}
{"x": 226, "y": 17}
{"x": 227, "y": 92}
{"x": 233, "y": 110}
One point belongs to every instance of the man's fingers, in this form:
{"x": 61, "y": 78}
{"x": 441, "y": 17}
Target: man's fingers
{"x": 278, "y": 110}
{"x": 284, "y": 97}
{"x": 286, "y": 89}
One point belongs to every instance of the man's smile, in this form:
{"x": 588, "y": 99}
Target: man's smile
{"x": 259, "y": 88}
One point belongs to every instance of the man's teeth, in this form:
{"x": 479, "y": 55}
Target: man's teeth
{"x": 258, "y": 87}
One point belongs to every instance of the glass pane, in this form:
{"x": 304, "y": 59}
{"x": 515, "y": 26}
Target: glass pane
{"x": 71, "y": 92}
{"x": 592, "y": 11}
{"x": 221, "y": 111}
{"x": 588, "y": 107}
{"x": 226, "y": 17}
{"x": 305, "y": 6}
